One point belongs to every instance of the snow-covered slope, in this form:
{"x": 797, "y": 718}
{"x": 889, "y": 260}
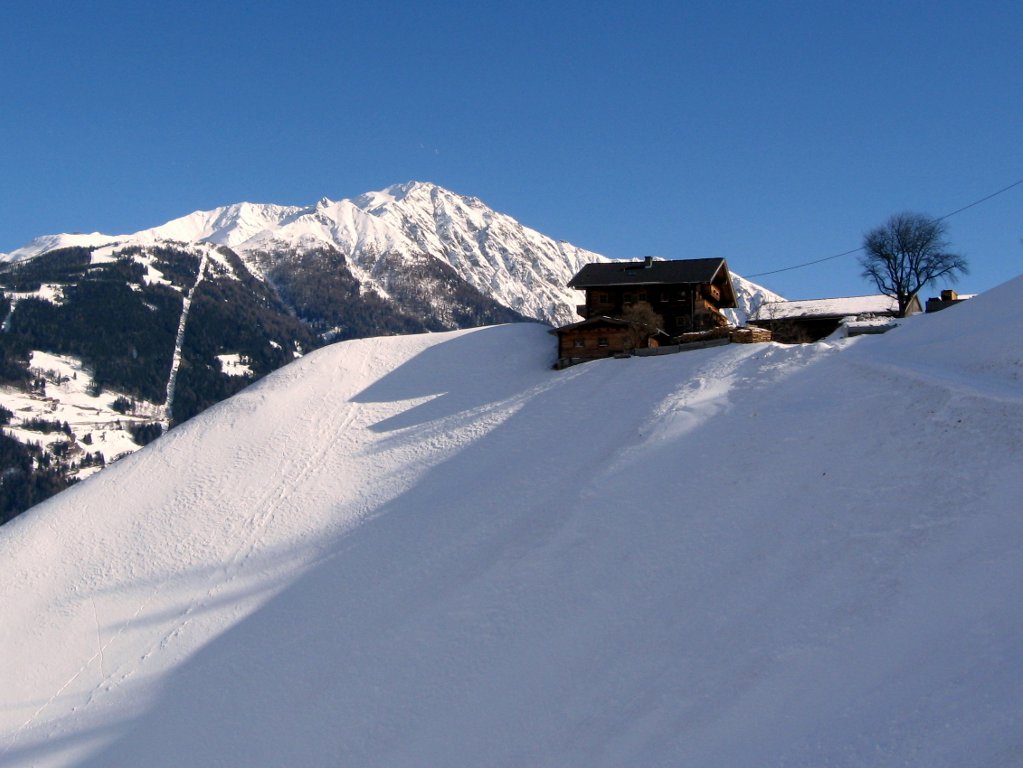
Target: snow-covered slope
{"x": 434, "y": 550}
{"x": 520, "y": 267}
{"x": 46, "y": 243}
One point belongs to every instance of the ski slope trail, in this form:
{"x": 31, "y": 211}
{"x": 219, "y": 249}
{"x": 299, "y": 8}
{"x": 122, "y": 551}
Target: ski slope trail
{"x": 435, "y": 550}
{"x": 179, "y": 339}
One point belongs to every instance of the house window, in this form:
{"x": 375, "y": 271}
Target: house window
{"x": 629, "y": 298}
{"x": 641, "y": 296}
{"x": 664, "y": 296}
{"x": 602, "y": 341}
{"x": 601, "y": 297}
{"x": 579, "y": 343}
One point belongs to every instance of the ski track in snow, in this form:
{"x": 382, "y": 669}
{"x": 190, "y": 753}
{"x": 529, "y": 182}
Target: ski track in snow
{"x": 297, "y": 463}
{"x": 333, "y": 426}
{"x": 955, "y": 382}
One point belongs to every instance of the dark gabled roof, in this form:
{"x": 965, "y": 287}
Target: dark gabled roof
{"x": 647, "y": 273}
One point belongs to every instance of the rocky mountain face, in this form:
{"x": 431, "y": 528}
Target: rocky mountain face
{"x": 408, "y": 233}
{"x": 109, "y": 340}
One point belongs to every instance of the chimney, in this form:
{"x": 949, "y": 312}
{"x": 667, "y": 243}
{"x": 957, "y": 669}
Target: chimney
{"x": 949, "y": 295}
{"x": 648, "y": 262}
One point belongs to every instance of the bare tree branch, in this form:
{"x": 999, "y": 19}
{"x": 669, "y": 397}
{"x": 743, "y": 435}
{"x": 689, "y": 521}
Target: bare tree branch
{"x": 907, "y": 252}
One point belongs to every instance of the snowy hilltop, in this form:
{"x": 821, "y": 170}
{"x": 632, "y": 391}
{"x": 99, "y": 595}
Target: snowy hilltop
{"x": 434, "y": 550}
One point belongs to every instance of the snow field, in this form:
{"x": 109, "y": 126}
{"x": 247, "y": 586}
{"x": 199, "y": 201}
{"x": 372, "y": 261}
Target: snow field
{"x": 434, "y": 550}
{"x": 68, "y": 399}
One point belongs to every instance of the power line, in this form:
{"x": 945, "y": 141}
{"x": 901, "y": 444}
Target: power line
{"x": 856, "y": 250}
{"x": 982, "y": 200}
{"x": 806, "y": 264}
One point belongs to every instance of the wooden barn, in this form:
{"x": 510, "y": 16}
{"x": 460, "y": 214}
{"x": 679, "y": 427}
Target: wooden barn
{"x": 801, "y": 321}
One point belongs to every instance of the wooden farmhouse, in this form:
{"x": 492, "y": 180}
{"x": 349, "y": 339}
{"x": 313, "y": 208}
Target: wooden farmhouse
{"x": 688, "y": 294}
{"x": 636, "y": 304}
{"x": 794, "y": 322}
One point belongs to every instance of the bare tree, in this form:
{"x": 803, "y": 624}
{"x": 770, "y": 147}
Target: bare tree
{"x": 906, "y": 253}
{"x": 643, "y": 322}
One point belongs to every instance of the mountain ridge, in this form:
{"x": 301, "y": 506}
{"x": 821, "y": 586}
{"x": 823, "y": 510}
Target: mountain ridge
{"x": 520, "y": 267}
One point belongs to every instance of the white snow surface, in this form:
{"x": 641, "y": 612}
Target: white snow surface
{"x": 515, "y": 265}
{"x": 50, "y": 242}
{"x": 234, "y": 365}
{"x": 436, "y": 551}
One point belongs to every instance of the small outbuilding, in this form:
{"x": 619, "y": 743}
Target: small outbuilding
{"x": 801, "y": 321}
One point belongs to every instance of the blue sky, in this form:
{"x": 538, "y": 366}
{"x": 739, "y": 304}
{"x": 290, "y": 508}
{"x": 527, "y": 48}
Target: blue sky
{"x": 767, "y": 133}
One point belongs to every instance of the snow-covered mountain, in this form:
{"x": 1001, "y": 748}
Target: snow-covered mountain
{"x": 380, "y": 234}
{"x": 435, "y": 550}
{"x": 749, "y": 296}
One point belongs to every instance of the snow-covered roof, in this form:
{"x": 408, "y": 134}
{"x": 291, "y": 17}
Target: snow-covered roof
{"x": 838, "y": 307}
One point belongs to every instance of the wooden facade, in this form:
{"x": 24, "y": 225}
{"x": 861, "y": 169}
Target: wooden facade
{"x": 687, "y": 294}
{"x": 947, "y": 299}
{"x": 593, "y": 339}
{"x": 600, "y": 337}
{"x": 637, "y": 305}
